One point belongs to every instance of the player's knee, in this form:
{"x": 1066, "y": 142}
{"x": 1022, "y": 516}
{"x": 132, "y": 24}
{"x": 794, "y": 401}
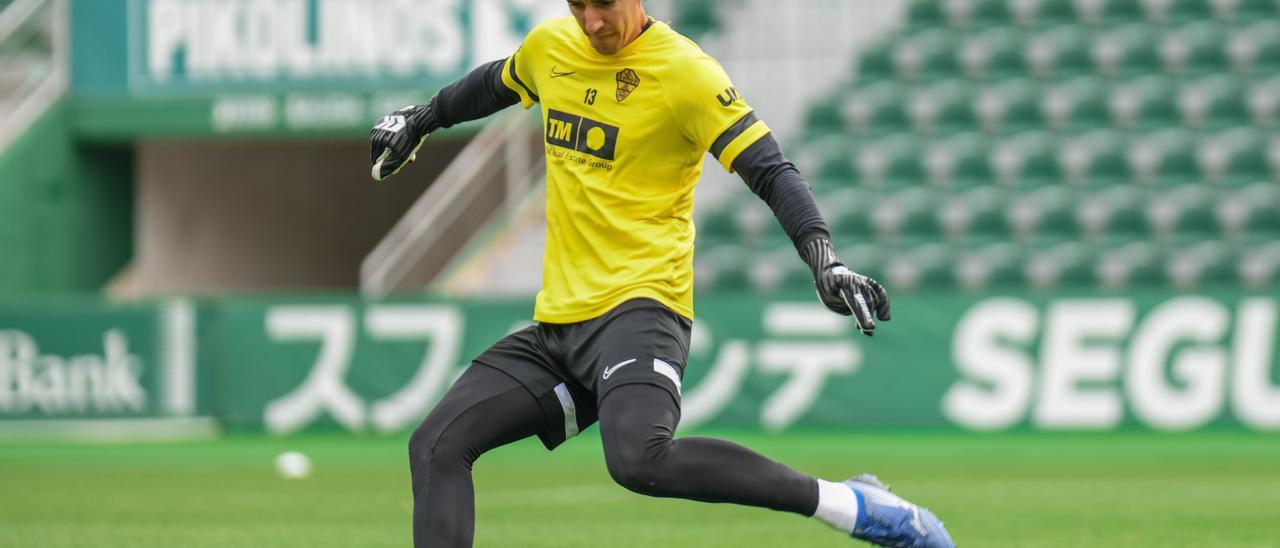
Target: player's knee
{"x": 430, "y": 443}
{"x": 638, "y": 465}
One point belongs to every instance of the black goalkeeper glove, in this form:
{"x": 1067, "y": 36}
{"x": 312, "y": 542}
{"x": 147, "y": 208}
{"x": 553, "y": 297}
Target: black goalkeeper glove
{"x": 397, "y": 137}
{"x": 845, "y": 291}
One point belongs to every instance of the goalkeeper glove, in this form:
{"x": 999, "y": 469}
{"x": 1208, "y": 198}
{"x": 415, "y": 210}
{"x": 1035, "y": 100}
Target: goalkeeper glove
{"x": 397, "y": 137}
{"x": 844, "y": 291}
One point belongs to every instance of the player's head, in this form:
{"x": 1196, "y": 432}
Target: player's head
{"x": 609, "y": 24}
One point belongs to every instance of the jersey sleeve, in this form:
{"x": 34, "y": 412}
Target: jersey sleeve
{"x": 517, "y": 72}
{"x": 711, "y": 112}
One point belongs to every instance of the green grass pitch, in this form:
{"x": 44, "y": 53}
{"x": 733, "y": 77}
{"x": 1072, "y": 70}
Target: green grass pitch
{"x": 1025, "y": 490}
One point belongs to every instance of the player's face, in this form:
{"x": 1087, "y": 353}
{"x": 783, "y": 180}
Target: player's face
{"x": 609, "y": 24}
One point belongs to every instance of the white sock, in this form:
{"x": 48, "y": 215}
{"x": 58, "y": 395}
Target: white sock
{"x": 837, "y": 506}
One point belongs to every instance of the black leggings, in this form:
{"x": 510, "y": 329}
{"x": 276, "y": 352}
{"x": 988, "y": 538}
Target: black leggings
{"x": 486, "y": 409}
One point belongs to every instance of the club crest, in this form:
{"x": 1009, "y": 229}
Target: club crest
{"x": 627, "y": 82}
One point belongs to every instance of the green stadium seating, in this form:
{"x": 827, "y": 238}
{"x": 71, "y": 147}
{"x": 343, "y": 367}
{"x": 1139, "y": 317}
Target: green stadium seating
{"x": 959, "y": 162}
{"x": 1132, "y": 264}
{"x": 1173, "y": 11}
{"x": 1194, "y": 49}
{"x": 1164, "y": 158}
{"x": 1042, "y": 13}
{"x": 1234, "y": 157}
{"x": 889, "y": 163}
{"x": 876, "y": 108}
{"x": 1126, "y": 50}
{"x": 1145, "y": 102}
{"x": 875, "y": 63}
{"x": 1094, "y": 159}
{"x": 1244, "y": 10}
{"x": 1251, "y": 213}
{"x": 1186, "y": 213}
{"x": 996, "y": 53}
{"x": 1009, "y": 105}
{"x": 928, "y": 265}
{"x": 1258, "y": 265}
{"x": 1263, "y": 101}
{"x": 1059, "y": 52}
{"x": 723, "y": 267}
{"x": 1213, "y": 102}
{"x": 993, "y": 265}
{"x": 1201, "y": 263}
{"x": 866, "y": 257}
{"x": 1026, "y": 160}
{"x": 946, "y": 106}
{"x": 1255, "y": 49}
{"x": 927, "y": 55}
{"x": 1107, "y": 12}
{"x": 693, "y": 18}
{"x": 925, "y": 13}
{"x": 1044, "y": 215}
{"x": 848, "y": 211}
{"x": 1114, "y": 214}
{"x": 1063, "y": 264}
{"x": 1079, "y": 103}
{"x": 824, "y": 116}
{"x": 979, "y": 215}
{"x": 907, "y": 216}
{"x": 976, "y": 14}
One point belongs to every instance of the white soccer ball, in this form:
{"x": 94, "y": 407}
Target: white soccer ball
{"x": 293, "y": 465}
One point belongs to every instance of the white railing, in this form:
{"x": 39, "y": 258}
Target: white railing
{"x": 501, "y": 154}
{"x": 31, "y": 82}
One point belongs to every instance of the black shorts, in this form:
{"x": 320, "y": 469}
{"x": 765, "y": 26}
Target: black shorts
{"x": 569, "y": 368}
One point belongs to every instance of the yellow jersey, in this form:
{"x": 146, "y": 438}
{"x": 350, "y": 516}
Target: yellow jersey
{"x": 625, "y": 137}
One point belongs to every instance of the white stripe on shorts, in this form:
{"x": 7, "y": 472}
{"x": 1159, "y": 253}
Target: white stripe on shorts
{"x": 665, "y": 369}
{"x": 570, "y": 412}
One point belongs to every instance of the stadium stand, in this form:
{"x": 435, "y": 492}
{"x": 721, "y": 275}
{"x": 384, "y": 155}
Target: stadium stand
{"x": 1043, "y": 144}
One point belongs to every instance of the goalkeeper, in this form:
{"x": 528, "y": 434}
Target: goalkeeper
{"x": 629, "y": 109}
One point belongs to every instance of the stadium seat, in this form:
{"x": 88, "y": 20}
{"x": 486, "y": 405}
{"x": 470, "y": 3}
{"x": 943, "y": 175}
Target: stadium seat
{"x": 925, "y": 13}
{"x": 848, "y": 212}
{"x": 978, "y": 215}
{"x": 1044, "y": 215}
{"x": 924, "y": 266}
{"x": 1233, "y": 157}
{"x": 1213, "y": 102}
{"x": 1164, "y": 158}
{"x": 723, "y": 267}
{"x": 1251, "y": 213}
{"x": 1244, "y": 10}
{"x": 1076, "y": 104}
{"x": 825, "y": 161}
{"x": 1193, "y": 49}
{"x": 718, "y": 225}
{"x": 1255, "y": 49}
{"x": 1066, "y": 264}
{"x": 876, "y": 108}
{"x": 976, "y": 14}
{"x": 1186, "y": 213}
{"x": 1107, "y": 12}
{"x": 1145, "y": 102}
{"x": 996, "y": 53}
{"x": 959, "y": 162}
{"x": 1094, "y": 159}
{"x": 927, "y": 55}
{"x": 994, "y": 265}
{"x": 864, "y": 257}
{"x": 1114, "y": 214}
{"x": 694, "y": 18}
{"x": 1132, "y": 264}
{"x": 1173, "y": 11}
{"x": 1263, "y": 101}
{"x": 1126, "y": 50}
{"x": 1258, "y": 266}
{"x": 944, "y": 107}
{"x": 1200, "y": 264}
{"x": 1041, "y": 13}
{"x": 778, "y": 268}
{"x": 1059, "y": 52}
{"x": 909, "y": 215}
{"x": 875, "y": 63}
{"x": 889, "y": 163}
{"x": 1026, "y": 160}
{"x": 1009, "y": 105}
{"x": 824, "y": 117}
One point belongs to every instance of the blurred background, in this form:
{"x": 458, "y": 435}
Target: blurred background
{"x": 1075, "y": 205}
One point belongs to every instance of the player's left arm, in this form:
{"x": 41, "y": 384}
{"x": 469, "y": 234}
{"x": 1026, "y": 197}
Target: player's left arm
{"x": 776, "y": 180}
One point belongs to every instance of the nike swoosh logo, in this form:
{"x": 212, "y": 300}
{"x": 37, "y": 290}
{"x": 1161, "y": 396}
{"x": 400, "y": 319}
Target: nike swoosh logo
{"x": 556, "y": 74}
{"x": 608, "y": 371}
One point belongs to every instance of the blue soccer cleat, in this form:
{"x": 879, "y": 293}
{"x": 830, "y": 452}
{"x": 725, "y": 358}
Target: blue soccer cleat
{"x": 886, "y": 519}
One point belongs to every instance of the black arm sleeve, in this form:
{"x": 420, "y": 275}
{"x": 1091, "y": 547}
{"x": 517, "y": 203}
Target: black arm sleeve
{"x": 478, "y": 94}
{"x": 775, "y": 180}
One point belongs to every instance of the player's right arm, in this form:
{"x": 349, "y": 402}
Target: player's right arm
{"x": 396, "y": 137}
